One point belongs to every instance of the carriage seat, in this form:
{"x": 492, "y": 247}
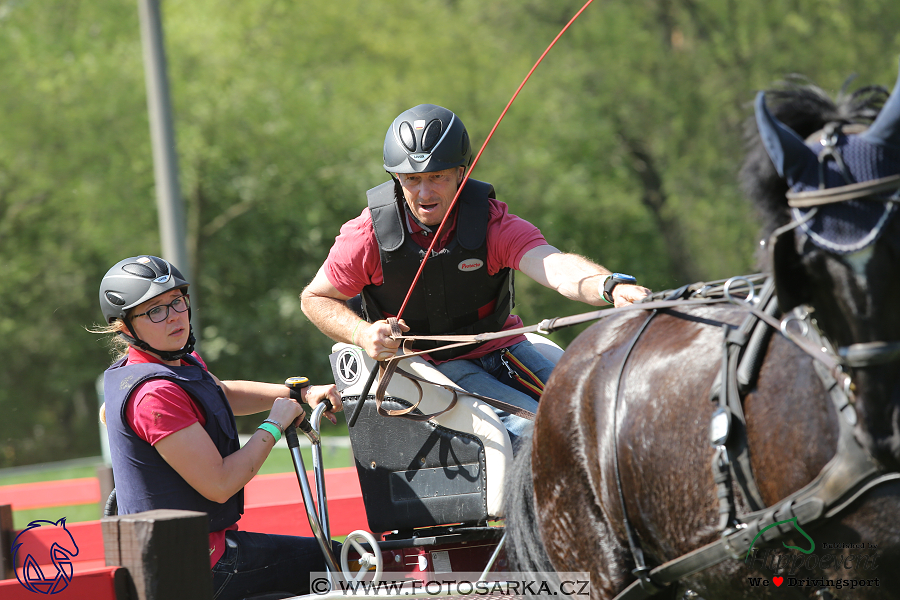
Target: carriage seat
{"x": 412, "y": 474}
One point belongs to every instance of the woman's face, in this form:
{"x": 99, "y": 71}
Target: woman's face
{"x": 171, "y": 333}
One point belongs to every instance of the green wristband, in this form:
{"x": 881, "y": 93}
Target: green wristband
{"x": 271, "y": 429}
{"x": 355, "y": 329}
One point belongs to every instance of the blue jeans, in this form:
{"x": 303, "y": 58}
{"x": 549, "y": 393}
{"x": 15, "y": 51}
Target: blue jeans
{"x": 488, "y": 376}
{"x": 255, "y": 563}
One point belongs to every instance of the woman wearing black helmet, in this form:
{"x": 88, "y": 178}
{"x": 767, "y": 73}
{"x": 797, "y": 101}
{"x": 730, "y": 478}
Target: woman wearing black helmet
{"x": 172, "y": 433}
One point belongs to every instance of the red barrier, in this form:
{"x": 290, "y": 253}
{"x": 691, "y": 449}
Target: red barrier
{"x": 273, "y": 504}
{"x": 94, "y": 584}
{"x": 26, "y": 496}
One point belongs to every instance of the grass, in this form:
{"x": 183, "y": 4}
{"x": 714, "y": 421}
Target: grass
{"x": 279, "y": 461}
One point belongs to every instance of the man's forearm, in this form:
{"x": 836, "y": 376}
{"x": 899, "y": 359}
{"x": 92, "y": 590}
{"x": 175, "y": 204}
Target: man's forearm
{"x": 576, "y": 277}
{"x": 573, "y": 276}
{"x": 332, "y": 316}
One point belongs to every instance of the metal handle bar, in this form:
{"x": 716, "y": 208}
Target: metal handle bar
{"x": 319, "y": 469}
{"x": 293, "y": 442}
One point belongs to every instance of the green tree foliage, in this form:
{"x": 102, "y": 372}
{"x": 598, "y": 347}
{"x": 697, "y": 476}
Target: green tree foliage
{"x": 624, "y": 147}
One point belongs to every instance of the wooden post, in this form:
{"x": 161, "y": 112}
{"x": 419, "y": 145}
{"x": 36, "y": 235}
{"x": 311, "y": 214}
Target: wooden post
{"x": 7, "y": 568}
{"x": 166, "y": 553}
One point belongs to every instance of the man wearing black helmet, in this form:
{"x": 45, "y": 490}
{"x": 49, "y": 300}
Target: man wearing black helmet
{"x": 467, "y": 284}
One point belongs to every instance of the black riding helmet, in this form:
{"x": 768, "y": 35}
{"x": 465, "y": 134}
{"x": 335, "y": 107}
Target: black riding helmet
{"x": 424, "y": 139}
{"x": 133, "y": 281}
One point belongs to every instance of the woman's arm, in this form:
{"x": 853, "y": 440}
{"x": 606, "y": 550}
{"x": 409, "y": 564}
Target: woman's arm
{"x": 251, "y": 397}
{"x": 194, "y": 456}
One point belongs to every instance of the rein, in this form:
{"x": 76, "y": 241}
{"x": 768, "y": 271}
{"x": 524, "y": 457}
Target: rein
{"x": 698, "y": 294}
{"x": 702, "y": 294}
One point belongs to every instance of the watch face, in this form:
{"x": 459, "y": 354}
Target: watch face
{"x": 615, "y": 279}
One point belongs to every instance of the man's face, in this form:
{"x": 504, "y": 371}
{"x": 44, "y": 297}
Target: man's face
{"x": 429, "y": 194}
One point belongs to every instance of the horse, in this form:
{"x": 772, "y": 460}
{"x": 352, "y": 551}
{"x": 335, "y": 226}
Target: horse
{"x": 659, "y": 471}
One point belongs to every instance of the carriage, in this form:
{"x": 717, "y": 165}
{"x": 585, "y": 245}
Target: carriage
{"x": 432, "y": 481}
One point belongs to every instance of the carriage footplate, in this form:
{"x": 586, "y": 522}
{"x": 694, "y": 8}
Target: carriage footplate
{"x": 435, "y": 554}
{"x": 430, "y": 536}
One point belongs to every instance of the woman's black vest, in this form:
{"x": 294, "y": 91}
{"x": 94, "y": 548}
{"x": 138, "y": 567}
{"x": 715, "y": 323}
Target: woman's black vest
{"x": 144, "y": 480}
{"x": 455, "y": 294}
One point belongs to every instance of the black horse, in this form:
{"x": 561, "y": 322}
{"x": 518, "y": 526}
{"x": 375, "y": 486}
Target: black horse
{"x": 624, "y": 476}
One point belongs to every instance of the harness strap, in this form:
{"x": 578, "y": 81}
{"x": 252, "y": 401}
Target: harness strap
{"x": 641, "y": 570}
{"x": 854, "y": 191}
{"x": 729, "y": 397}
{"x": 831, "y": 492}
{"x": 868, "y": 354}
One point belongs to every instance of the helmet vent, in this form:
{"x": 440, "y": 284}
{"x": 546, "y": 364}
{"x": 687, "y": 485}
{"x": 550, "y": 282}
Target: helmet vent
{"x": 115, "y": 299}
{"x": 139, "y": 270}
{"x": 431, "y": 136}
{"x": 160, "y": 264}
{"x": 407, "y": 136}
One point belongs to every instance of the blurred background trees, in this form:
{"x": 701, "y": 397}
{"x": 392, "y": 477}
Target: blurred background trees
{"x": 624, "y": 146}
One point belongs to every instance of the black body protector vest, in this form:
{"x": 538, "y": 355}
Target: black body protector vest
{"x": 455, "y": 294}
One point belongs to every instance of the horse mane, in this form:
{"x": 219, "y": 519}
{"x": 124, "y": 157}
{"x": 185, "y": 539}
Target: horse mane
{"x": 805, "y": 108}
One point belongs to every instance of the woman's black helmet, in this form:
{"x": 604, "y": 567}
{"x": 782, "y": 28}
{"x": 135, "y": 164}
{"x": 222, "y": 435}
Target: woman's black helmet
{"x": 424, "y": 139}
{"x": 133, "y": 281}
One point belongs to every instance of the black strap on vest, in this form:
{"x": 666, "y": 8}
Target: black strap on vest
{"x": 448, "y": 300}
{"x": 386, "y": 206}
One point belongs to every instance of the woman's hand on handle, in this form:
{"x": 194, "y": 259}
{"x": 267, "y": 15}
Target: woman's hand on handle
{"x": 285, "y": 411}
{"x": 318, "y": 394}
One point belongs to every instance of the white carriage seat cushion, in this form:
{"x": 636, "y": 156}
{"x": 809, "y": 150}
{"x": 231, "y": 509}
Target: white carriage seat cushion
{"x": 470, "y": 416}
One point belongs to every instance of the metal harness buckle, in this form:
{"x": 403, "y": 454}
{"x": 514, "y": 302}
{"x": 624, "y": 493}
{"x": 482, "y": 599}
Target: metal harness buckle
{"x": 643, "y": 575}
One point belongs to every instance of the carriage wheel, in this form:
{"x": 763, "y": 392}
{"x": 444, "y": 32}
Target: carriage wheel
{"x": 366, "y": 561}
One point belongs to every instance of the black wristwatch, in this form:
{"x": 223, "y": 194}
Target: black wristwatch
{"x": 296, "y": 385}
{"x": 611, "y": 281}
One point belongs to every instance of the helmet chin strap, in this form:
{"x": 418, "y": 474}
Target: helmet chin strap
{"x": 163, "y": 354}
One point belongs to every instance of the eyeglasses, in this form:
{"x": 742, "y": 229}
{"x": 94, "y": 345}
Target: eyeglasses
{"x": 160, "y": 313}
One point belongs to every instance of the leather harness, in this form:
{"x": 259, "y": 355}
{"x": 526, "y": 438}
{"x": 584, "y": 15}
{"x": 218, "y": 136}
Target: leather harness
{"x": 850, "y": 473}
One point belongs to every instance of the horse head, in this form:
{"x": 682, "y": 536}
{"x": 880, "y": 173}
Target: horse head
{"x": 840, "y": 252}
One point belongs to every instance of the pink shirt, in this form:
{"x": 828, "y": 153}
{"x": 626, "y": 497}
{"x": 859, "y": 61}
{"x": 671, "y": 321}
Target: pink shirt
{"x": 158, "y": 408}
{"x": 354, "y": 261}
